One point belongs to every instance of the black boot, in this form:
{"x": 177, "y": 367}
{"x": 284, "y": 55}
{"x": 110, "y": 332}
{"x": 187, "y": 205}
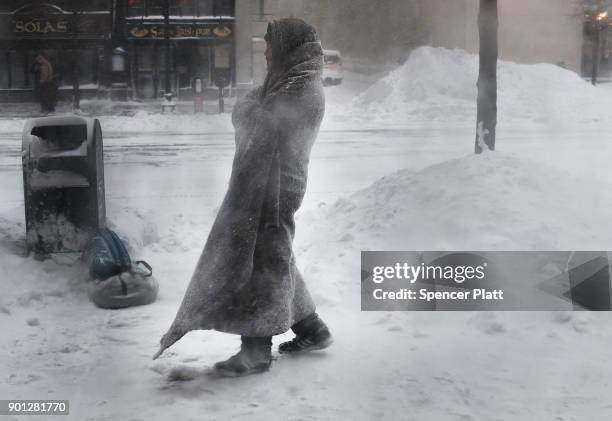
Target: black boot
{"x": 255, "y": 356}
{"x": 311, "y": 334}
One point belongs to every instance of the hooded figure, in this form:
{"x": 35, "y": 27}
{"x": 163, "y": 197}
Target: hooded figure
{"x": 246, "y": 281}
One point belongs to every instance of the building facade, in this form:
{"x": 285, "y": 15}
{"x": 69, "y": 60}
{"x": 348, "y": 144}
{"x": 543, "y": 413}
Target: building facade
{"x": 530, "y": 31}
{"x": 543, "y": 31}
{"x": 169, "y": 44}
{"x": 127, "y": 49}
{"x": 139, "y": 49}
{"x": 74, "y": 37}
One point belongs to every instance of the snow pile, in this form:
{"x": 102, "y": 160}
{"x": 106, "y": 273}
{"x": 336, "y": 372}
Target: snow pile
{"x": 493, "y": 201}
{"x": 135, "y": 228}
{"x": 433, "y": 85}
{"x": 489, "y": 201}
{"x": 28, "y": 284}
{"x": 430, "y": 76}
{"x": 11, "y": 125}
{"x": 440, "y": 84}
{"x": 144, "y": 122}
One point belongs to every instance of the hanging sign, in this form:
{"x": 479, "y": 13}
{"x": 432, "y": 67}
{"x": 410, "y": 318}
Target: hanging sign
{"x": 178, "y": 30}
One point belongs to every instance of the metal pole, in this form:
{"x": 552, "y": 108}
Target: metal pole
{"x": 167, "y": 80}
{"x": 221, "y": 102}
{"x": 596, "y": 48}
{"x": 9, "y": 69}
{"x": 76, "y": 95}
{"x": 486, "y": 102}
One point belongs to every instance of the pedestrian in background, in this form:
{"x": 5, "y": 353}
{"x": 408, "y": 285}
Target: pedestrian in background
{"x": 44, "y": 85}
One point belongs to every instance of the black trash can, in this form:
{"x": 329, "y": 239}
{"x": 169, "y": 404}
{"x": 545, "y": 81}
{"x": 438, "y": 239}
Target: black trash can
{"x": 63, "y": 181}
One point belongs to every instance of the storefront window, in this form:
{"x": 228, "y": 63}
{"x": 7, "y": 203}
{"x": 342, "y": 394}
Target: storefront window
{"x": 4, "y": 71}
{"x": 206, "y": 7}
{"x": 136, "y": 8}
{"x": 145, "y": 8}
{"x": 154, "y": 8}
{"x": 151, "y": 63}
{"x": 40, "y": 28}
{"x": 18, "y": 68}
{"x": 95, "y": 5}
{"x": 222, "y": 56}
{"x": 224, "y": 7}
{"x": 183, "y": 7}
{"x": 88, "y": 68}
{"x": 215, "y": 7}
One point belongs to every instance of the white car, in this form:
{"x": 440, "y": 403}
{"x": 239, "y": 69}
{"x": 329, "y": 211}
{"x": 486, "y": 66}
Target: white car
{"x": 332, "y": 70}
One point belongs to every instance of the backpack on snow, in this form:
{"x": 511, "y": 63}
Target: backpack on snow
{"x": 116, "y": 281}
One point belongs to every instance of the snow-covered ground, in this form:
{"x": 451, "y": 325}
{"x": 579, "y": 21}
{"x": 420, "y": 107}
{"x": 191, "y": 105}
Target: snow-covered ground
{"x": 392, "y": 169}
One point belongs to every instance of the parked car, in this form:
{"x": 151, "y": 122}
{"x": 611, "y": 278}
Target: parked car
{"x": 332, "y": 70}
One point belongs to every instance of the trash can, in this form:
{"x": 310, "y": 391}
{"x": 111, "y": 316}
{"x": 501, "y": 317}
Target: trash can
{"x": 63, "y": 181}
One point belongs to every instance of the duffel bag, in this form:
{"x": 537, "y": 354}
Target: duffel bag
{"x": 116, "y": 282}
{"x": 131, "y": 288}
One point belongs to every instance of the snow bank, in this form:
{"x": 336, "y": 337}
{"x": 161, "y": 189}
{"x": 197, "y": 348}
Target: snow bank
{"x": 26, "y": 282}
{"x": 135, "y": 228}
{"x": 146, "y": 122}
{"x": 489, "y": 201}
{"x": 440, "y": 85}
{"x": 433, "y": 85}
{"x": 143, "y": 122}
{"x": 493, "y": 201}
{"x": 11, "y": 125}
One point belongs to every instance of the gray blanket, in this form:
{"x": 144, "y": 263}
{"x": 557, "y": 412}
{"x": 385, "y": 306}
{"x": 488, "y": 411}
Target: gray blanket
{"x": 246, "y": 281}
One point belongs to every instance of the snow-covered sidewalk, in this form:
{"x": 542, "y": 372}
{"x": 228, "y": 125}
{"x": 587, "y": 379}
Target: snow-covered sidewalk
{"x": 434, "y": 366}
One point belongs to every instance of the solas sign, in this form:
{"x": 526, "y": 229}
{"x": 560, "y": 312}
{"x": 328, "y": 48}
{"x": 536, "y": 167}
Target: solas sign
{"x": 36, "y": 26}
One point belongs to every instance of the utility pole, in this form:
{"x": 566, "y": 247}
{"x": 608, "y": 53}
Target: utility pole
{"x": 76, "y": 66}
{"x": 486, "y": 116}
{"x": 596, "y": 48}
{"x": 599, "y": 25}
{"x": 167, "y": 79}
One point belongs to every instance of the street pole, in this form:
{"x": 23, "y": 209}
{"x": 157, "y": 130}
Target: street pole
{"x": 486, "y": 108}
{"x": 76, "y": 73}
{"x": 167, "y": 79}
{"x": 221, "y": 102}
{"x": 599, "y": 24}
{"x": 596, "y": 49}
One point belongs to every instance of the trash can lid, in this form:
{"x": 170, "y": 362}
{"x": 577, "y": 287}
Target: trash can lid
{"x": 65, "y": 132}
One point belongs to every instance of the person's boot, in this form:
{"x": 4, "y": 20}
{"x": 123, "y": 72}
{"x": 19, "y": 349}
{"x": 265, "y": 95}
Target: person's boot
{"x": 311, "y": 334}
{"x": 255, "y": 356}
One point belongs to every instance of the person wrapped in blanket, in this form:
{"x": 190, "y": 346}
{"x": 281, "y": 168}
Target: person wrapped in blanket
{"x": 246, "y": 281}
